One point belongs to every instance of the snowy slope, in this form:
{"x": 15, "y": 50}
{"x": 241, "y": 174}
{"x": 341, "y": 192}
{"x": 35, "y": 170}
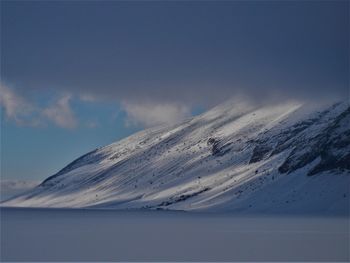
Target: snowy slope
{"x": 236, "y": 157}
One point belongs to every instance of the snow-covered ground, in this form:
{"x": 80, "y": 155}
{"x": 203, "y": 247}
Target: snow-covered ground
{"x": 286, "y": 158}
{"x": 44, "y": 234}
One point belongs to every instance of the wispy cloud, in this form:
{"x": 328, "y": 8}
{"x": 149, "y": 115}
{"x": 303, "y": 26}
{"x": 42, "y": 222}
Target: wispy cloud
{"x": 16, "y": 107}
{"x": 87, "y": 97}
{"x": 25, "y": 113}
{"x": 91, "y": 124}
{"x": 151, "y": 114}
{"x": 61, "y": 113}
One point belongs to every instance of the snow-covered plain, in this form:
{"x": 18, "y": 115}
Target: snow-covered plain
{"x": 290, "y": 158}
{"x": 43, "y": 234}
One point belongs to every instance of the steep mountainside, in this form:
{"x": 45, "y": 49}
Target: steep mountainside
{"x": 287, "y": 158}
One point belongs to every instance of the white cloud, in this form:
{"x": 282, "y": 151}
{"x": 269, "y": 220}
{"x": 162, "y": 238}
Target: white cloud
{"x": 25, "y": 113}
{"x": 147, "y": 114}
{"x": 61, "y": 113}
{"x": 16, "y": 107}
{"x": 152, "y": 114}
{"x": 87, "y": 98}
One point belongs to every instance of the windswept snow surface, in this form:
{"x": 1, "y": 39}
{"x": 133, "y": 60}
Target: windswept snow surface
{"x": 287, "y": 158}
{"x": 85, "y": 235}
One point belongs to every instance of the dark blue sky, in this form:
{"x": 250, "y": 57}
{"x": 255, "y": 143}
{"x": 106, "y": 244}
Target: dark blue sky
{"x": 79, "y": 74}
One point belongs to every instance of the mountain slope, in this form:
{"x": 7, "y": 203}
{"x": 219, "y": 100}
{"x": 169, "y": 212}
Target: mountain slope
{"x": 236, "y": 157}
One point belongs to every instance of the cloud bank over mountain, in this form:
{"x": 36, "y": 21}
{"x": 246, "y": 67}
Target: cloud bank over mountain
{"x": 174, "y": 55}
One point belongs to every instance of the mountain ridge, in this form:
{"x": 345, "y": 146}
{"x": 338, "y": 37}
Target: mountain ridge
{"x": 227, "y": 159}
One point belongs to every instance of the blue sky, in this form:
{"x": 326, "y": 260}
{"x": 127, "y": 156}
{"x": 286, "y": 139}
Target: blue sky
{"x": 33, "y": 153}
{"x": 76, "y": 75}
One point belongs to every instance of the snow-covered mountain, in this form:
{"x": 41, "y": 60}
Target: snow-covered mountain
{"x": 287, "y": 158}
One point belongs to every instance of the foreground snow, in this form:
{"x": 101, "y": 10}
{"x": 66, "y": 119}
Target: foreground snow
{"x": 288, "y": 158}
{"x": 107, "y": 235}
